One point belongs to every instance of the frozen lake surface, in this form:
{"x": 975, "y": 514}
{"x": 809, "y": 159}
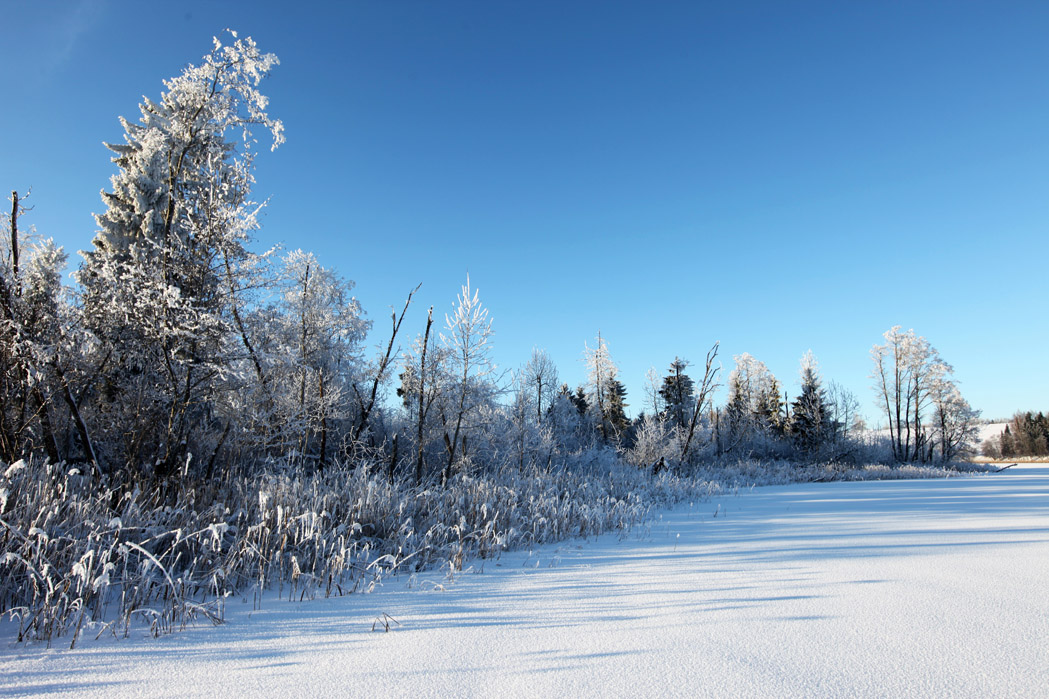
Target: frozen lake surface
{"x": 890, "y": 588}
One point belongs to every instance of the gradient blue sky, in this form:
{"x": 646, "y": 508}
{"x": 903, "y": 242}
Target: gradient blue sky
{"x": 776, "y": 176}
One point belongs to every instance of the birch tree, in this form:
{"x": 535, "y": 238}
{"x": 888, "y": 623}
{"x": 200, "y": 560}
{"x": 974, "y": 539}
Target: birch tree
{"x": 907, "y": 370}
{"x": 539, "y": 381}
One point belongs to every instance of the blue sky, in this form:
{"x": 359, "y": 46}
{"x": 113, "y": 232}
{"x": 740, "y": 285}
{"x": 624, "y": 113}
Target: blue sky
{"x": 777, "y": 178}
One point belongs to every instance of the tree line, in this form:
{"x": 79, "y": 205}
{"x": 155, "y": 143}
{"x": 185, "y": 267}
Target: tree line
{"x": 1026, "y": 434}
{"x": 183, "y": 352}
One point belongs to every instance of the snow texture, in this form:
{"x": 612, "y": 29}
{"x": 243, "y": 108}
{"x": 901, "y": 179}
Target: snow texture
{"x": 859, "y": 589}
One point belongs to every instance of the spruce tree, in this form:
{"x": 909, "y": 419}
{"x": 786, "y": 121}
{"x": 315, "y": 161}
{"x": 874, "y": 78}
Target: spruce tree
{"x": 615, "y": 412}
{"x": 810, "y": 414}
{"x": 769, "y": 410}
{"x": 678, "y": 394}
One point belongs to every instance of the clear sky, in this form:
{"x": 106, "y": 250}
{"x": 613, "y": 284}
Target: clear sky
{"x": 775, "y": 176}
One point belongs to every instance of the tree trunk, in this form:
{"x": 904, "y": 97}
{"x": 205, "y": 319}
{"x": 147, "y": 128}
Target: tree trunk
{"x": 50, "y": 443}
{"x": 14, "y": 237}
{"x": 324, "y": 420}
{"x": 365, "y": 413}
{"x": 81, "y": 426}
{"x": 705, "y": 389}
{"x": 422, "y": 384}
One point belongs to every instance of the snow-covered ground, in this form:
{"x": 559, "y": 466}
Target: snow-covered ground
{"x": 892, "y": 588}
{"x": 989, "y": 430}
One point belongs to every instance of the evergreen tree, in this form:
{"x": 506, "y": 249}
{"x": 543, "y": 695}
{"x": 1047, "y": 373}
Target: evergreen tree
{"x": 1026, "y": 434}
{"x": 737, "y": 411}
{"x": 750, "y": 387}
{"x": 161, "y": 282}
{"x": 579, "y": 399}
{"x": 810, "y": 414}
{"x": 615, "y": 414}
{"x": 566, "y": 422}
{"x": 678, "y": 394}
{"x": 769, "y": 410}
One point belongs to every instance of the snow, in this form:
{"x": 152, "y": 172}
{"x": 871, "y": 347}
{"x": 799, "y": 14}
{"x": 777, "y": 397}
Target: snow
{"x": 889, "y": 588}
{"x": 989, "y": 430}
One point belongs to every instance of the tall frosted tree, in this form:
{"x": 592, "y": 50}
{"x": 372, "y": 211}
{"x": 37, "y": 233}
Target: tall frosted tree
{"x": 467, "y": 339}
{"x": 602, "y": 387}
{"x": 312, "y": 341}
{"x": 161, "y": 281}
{"x": 955, "y": 428}
{"x": 908, "y": 373}
{"x": 810, "y": 414}
{"x": 751, "y": 386}
{"x": 38, "y": 348}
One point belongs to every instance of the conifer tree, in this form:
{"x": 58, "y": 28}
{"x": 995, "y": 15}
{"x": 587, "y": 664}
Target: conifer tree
{"x": 579, "y": 399}
{"x": 678, "y": 394}
{"x": 769, "y": 408}
{"x": 810, "y": 414}
{"x": 616, "y": 410}
{"x": 160, "y": 285}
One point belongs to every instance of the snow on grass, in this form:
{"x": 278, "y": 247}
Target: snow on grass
{"x": 876, "y": 588}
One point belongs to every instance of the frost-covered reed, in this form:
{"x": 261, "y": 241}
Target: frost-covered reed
{"x": 79, "y": 556}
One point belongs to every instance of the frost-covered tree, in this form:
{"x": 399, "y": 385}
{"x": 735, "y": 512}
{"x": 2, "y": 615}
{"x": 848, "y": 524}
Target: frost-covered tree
{"x": 367, "y": 391}
{"x": 810, "y": 418}
{"x": 601, "y": 384}
{"x": 845, "y": 416}
{"x": 526, "y": 433}
{"x": 467, "y": 338}
{"x": 539, "y": 380}
{"x": 30, "y": 298}
{"x": 159, "y": 284}
{"x": 769, "y": 410}
{"x": 907, "y": 370}
{"x": 751, "y": 386}
{"x": 425, "y": 380}
{"x": 42, "y": 351}
{"x": 678, "y": 394}
{"x": 656, "y": 442}
{"x": 703, "y": 400}
{"x": 653, "y": 386}
{"x": 311, "y": 346}
{"x": 956, "y": 430}
{"x": 568, "y": 421}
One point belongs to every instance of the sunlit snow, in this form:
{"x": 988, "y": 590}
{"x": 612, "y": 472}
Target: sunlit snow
{"x": 889, "y": 588}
